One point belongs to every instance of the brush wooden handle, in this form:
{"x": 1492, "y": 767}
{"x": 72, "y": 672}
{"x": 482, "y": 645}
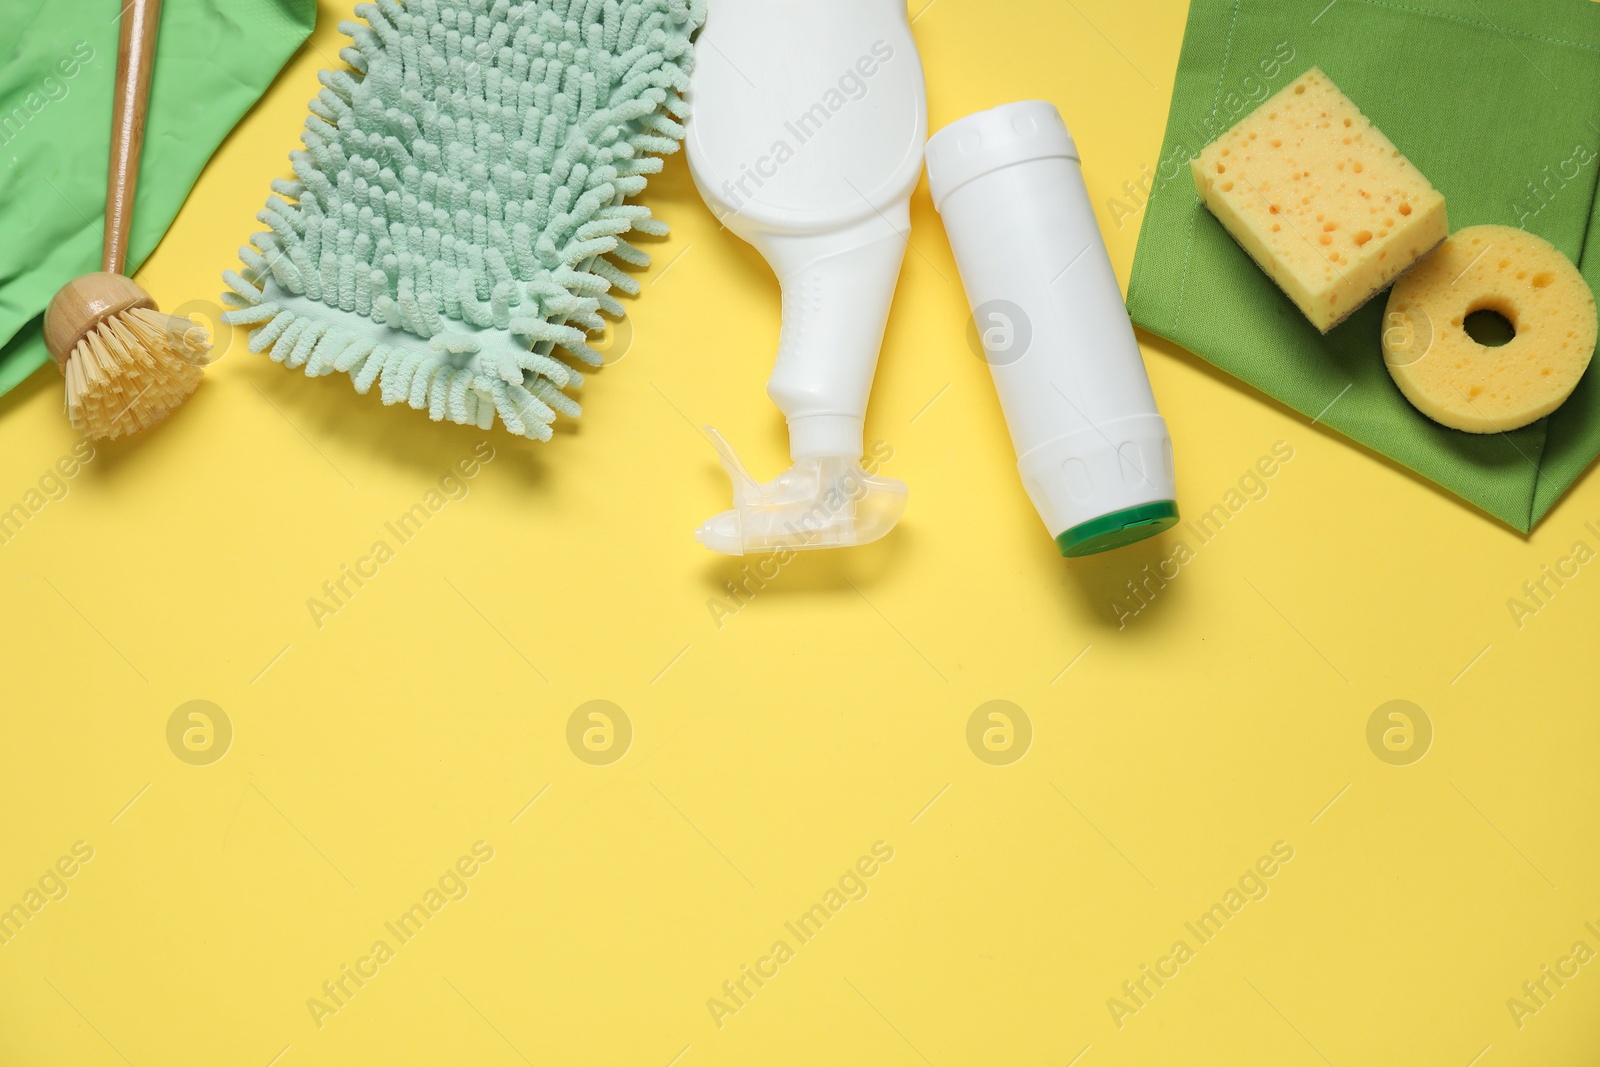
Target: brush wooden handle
{"x": 136, "y": 50}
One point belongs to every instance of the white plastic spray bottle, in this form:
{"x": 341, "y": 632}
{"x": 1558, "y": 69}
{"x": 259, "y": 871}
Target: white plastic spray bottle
{"x": 806, "y": 140}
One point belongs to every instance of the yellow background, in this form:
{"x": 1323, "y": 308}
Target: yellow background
{"x": 771, "y": 752}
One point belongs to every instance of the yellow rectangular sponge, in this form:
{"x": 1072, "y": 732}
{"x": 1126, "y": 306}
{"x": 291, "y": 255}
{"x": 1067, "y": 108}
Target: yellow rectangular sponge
{"x": 1320, "y": 198}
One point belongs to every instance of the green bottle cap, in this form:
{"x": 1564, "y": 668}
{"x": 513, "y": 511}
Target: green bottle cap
{"x": 1119, "y": 528}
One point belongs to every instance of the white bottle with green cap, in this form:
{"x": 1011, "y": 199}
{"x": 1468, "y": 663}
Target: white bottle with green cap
{"x": 1092, "y": 448}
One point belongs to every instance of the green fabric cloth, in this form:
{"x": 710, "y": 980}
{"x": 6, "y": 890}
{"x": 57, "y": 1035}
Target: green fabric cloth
{"x": 58, "y": 58}
{"x": 1496, "y": 101}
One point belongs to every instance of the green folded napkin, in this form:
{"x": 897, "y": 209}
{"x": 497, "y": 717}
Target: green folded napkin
{"x": 1496, "y": 101}
{"x": 58, "y": 58}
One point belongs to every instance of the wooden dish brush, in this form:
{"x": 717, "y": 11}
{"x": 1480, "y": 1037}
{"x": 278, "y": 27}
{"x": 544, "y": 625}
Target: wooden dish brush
{"x": 127, "y": 365}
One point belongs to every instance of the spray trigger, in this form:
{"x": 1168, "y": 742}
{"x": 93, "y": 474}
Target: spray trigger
{"x": 819, "y": 502}
{"x": 745, "y": 488}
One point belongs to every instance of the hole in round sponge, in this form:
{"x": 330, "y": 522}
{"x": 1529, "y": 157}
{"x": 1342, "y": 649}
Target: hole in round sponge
{"x": 1489, "y": 328}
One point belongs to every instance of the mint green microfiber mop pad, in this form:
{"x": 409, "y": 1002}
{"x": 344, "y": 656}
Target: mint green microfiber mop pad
{"x": 214, "y": 59}
{"x": 459, "y": 193}
{"x": 1496, "y": 101}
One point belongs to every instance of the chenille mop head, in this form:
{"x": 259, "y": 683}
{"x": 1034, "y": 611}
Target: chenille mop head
{"x": 458, "y": 195}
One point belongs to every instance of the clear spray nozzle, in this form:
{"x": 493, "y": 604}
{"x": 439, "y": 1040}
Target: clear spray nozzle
{"x": 819, "y": 502}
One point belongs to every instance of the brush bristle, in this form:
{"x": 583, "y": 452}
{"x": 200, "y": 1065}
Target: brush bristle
{"x": 133, "y": 369}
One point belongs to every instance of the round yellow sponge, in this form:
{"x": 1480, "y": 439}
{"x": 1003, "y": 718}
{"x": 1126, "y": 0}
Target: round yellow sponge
{"x": 1460, "y": 383}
